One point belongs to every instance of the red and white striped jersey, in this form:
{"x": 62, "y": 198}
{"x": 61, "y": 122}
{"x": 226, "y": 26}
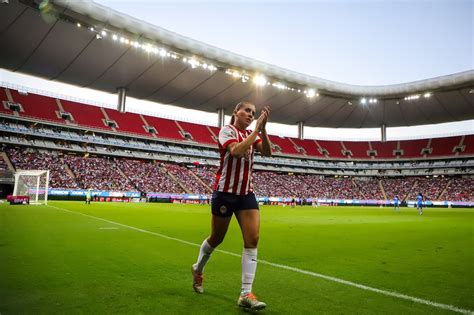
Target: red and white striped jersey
{"x": 234, "y": 174}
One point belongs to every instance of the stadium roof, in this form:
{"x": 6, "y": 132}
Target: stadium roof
{"x": 89, "y": 45}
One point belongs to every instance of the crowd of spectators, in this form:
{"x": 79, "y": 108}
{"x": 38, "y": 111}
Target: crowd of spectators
{"x": 460, "y": 189}
{"x": 187, "y": 179}
{"x": 206, "y": 173}
{"x": 398, "y": 186}
{"x": 3, "y": 165}
{"x": 275, "y": 185}
{"x": 32, "y": 159}
{"x": 370, "y": 188}
{"x": 149, "y": 176}
{"x": 121, "y": 174}
{"x": 430, "y": 187}
{"x": 99, "y": 173}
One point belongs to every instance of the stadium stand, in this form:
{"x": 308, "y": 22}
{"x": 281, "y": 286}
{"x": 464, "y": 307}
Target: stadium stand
{"x": 98, "y": 173}
{"x": 444, "y": 146}
{"x": 370, "y": 188}
{"x": 333, "y": 148}
{"x": 3, "y": 100}
{"x": 127, "y": 122}
{"x": 358, "y": 149}
{"x": 385, "y": 150}
{"x": 400, "y": 186}
{"x": 37, "y": 106}
{"x": 413, "y": 148}
{"x": 95, "y": 117}
{"x": 166, "y": 128}
{"x": 460, "y": 189}
{"x": 148, "y": 176}
{"x": 469, "y": 145}
{"x": 199, "y": 133}
{"x": 32, "y": 159}
{"x": 123, "y": 174}
{"x": 85, "y": 115}
{"x": 284, "y": 145}
{"x": 431, "y": 188}
{"x": 187, "y": 179}
{"x": 50, "y": 140}
{"x": 206, "y": 173}
{"x": 310, "y": 147}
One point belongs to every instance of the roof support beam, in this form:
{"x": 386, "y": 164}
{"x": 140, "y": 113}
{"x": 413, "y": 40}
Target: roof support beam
{"x": 220, "y": 117}
{"x": 122, "y": 97}
{"x": 383, "y": 130}
{"x": 301, "y": 130}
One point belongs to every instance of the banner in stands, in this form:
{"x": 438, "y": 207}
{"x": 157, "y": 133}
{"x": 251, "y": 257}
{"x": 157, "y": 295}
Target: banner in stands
{"x": 177, "y": 196}
{"x": 65, "y": 192}
{"x": 321, "y": 201}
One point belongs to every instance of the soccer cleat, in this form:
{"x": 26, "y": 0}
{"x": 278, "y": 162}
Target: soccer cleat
{"x": 197, "y": 280}
{"x": 249, "y": 301}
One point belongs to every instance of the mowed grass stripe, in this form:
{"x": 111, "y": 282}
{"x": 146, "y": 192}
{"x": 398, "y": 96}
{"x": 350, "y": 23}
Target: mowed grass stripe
{"x": 289, "y": 268}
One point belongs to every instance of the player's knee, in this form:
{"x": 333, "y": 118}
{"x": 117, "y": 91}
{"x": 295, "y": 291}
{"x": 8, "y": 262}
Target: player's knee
{"x": 215, "y": 240}
{"x": 251, "y": 242}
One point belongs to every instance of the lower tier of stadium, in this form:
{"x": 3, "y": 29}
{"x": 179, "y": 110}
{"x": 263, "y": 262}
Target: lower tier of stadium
{"x": 79, "y": 172}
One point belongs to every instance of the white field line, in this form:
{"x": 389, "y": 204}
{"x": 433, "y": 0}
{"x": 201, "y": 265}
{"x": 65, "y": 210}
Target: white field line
{"x": 302, "y": 271}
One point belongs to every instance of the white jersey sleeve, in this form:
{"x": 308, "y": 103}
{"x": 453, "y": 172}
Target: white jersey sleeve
{"x": 227, "y": 135}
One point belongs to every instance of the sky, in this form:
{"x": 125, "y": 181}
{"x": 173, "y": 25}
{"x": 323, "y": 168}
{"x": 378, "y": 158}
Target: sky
{"x": 354, "y": 42}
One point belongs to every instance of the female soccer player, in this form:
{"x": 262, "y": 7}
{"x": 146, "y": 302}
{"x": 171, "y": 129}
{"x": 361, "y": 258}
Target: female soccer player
{"x": 233, "y": 195}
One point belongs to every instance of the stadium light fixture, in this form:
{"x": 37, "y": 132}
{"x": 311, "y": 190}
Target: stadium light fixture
{"x": 193, "y": 62}
{"x": 260, "y": 80}
{"x": 412, "y": 97}
{"x": 310, "y": 93}
{"x": 279, "y": 85}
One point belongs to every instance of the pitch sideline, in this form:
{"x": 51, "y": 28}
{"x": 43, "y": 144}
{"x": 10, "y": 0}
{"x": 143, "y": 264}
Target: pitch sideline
{"x": 302, "y": 271}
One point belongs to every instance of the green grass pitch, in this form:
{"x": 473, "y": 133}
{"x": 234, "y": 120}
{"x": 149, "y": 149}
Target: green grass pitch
{"x": 57, "y": 261}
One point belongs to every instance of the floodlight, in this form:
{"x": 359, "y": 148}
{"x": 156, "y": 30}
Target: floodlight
{"x": 259, "y": 80}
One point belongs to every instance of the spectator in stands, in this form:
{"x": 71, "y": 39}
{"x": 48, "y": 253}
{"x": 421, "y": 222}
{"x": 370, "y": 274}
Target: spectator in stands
{"x": 233, "y": 194}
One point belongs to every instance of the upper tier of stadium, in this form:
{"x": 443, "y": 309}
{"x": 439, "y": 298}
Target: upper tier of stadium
{"x": 52, "y": 111}
{"x": 89, "y": 45}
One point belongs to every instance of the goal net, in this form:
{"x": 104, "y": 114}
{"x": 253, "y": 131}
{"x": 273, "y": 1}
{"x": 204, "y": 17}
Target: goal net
{"x": 32, "y": 183}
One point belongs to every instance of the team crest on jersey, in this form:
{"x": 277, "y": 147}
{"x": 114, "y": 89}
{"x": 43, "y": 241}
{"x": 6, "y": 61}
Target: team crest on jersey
{"x": 223, "y": 209}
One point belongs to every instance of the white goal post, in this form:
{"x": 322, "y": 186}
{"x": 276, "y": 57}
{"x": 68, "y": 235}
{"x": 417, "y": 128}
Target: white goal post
{"x": 32, "y": 183}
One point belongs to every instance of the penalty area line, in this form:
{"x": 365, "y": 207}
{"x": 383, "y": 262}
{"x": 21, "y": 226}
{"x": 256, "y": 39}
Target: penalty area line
{"x": 289, "y": 268}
